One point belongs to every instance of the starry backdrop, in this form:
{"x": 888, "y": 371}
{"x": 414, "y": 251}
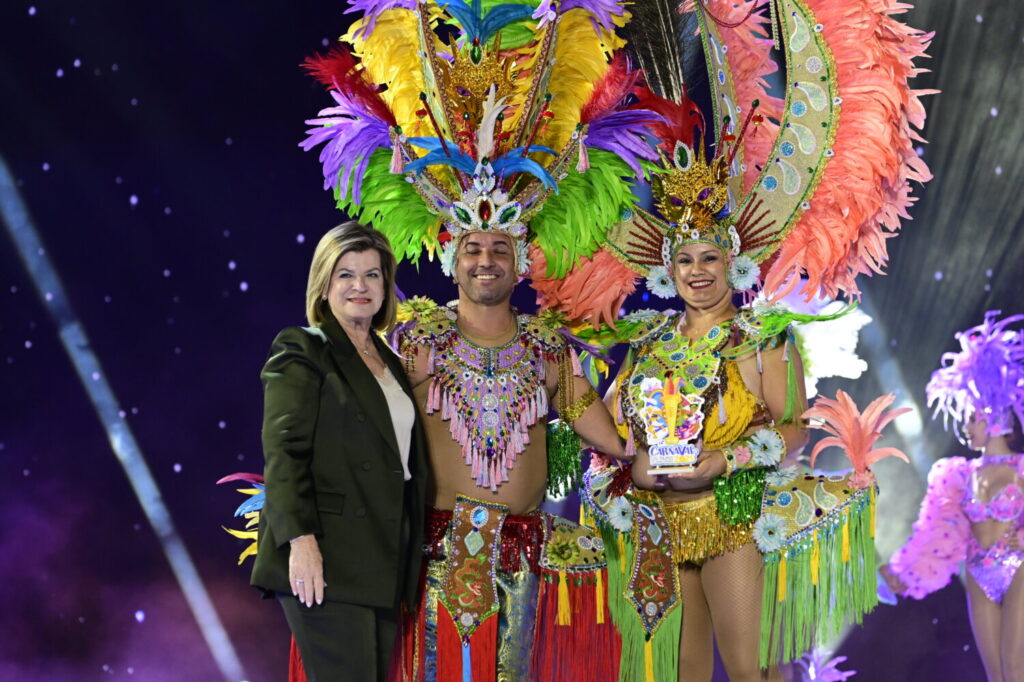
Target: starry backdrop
{"x": 155, "y": 146}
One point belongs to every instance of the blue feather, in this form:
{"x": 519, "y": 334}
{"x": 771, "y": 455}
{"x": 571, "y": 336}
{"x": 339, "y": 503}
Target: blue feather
{"x": 521, "y": 164}
{"x": 475, "y": 25}
{"x": 457, "y": 160}
{"x": 254, "y": 503}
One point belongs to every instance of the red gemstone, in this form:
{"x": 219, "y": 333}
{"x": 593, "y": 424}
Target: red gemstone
{"x": 485, "y": 210}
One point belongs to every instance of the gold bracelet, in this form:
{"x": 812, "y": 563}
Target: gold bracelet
{"x": 576, "y": 410}
{"x": 730, "y": 460}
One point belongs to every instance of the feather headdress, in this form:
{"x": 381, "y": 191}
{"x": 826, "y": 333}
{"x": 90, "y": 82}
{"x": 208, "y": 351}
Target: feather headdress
{"x": 816, "y": 181}
{"x": 985, "y": 377}
{"x": 455, "y": 117}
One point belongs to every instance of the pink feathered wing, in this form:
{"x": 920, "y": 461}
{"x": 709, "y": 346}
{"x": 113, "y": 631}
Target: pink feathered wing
{"x": 865, "y": 189}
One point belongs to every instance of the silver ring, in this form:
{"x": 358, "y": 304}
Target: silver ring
{"x": 299, "y": 580}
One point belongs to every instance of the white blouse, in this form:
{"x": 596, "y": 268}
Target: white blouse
{"x": 403, "y": 415}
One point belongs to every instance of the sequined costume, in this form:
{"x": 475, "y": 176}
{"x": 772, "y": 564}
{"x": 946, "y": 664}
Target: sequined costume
{"x": 798, "y": 520}
{"x": 502, "y": 593}
{"x": 505, "y": 596}
{"x": 492, "y": 396}
{"x": 942, "y": 540}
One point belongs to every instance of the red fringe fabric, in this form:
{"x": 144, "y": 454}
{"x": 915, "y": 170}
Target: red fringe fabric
{"x": 596, "y": 647}
{"x": 296, "y": 673}
{"x": 410, "y": 635}
{"x": 483, "y": 647}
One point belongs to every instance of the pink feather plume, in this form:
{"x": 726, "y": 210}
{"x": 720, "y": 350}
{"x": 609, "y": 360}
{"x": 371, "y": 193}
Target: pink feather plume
{"x": 854, "y": 431}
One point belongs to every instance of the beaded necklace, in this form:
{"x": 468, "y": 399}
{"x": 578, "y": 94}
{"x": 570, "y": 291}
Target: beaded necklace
{"x": 490, "y": 396}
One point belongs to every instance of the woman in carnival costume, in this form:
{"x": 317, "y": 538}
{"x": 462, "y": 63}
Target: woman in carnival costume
{"x": 972, "y": 514}
{"x": 783, "y": 204}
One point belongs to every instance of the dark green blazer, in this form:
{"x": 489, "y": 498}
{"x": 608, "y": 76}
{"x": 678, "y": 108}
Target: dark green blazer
{"x": 333, "y": 469}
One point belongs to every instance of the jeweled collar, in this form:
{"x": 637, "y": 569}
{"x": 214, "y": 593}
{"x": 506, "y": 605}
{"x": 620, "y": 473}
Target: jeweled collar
{"x": 490, "y": 396}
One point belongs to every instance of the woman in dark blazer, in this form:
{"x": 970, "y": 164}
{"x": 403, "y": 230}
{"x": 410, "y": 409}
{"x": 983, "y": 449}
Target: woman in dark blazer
{"x": 345, "y": 466}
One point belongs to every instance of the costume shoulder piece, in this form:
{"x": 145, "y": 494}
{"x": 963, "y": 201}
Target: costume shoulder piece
{"x": 649, "y": 327}
{"x": 423, "y": 322}
{"x": 759, "y": 328}
{"x": 542, "y": 335}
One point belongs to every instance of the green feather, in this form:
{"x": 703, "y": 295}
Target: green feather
{"x": 518, "y": 33}
{"x": 391, "y": 205}
{"x": 573, "y": 222}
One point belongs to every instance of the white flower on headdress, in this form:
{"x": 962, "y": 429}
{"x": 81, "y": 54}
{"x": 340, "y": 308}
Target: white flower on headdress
{"x": 447, "y": 258}
{"x": 660, "y": 283}
{"x": 620, "y": 514}
{"x": 767, "y": 447}
{"x": 743, "y": 273}
{"x": 770, "y": 532}
{"x": 522, "y": 256}
{"x": 783, "y": 476}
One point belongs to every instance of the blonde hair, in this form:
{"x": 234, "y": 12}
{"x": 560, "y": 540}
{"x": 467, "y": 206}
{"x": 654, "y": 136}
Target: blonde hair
{"x": 350, "y": 236}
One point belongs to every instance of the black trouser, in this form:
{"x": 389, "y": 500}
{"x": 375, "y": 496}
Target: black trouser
{"x": 340, "y": 642}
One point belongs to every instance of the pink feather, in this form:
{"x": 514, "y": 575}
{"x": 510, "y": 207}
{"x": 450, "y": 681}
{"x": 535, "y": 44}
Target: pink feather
{"x": 852, "y": 430}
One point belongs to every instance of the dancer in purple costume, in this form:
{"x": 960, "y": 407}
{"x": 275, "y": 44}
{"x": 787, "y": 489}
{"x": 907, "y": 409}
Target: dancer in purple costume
{"x": 973, "y": 510}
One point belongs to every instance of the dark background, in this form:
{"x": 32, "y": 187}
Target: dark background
{"x": 156, "y": 148}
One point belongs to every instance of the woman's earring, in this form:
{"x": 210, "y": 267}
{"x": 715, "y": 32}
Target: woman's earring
{"x": 324, "y": 297}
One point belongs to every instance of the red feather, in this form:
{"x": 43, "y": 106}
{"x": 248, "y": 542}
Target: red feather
{"x": 684, "y": 117}
{"x": 615, "y": 85}
{"x": 339, "y": 69}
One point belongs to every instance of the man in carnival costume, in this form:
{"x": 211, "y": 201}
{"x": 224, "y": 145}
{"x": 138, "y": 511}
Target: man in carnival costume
{"x": 505, "y": 147}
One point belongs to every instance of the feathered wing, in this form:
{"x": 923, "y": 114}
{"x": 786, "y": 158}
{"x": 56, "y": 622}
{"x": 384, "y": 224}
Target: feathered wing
{"x": 839, "y": 231}
{"x": 593, "y": 290}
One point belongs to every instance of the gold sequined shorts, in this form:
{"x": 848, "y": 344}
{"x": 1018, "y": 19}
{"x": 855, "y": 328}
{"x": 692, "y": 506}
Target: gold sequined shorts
{"x": 698, "y": 533}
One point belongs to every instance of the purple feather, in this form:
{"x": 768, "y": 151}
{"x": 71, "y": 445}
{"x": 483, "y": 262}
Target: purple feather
{"x": 623, "y": 133}
{"x": 352, "y": 134}
{"x": 601, "y": 10}
{"x": 985, "y": 377}
{"x": 371, "y": 9}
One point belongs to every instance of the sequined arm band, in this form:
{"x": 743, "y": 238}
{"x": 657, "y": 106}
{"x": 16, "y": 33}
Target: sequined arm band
{"x": 574, "y": 411}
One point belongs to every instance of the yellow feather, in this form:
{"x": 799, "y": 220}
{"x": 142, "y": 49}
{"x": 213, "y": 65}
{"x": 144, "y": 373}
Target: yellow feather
{"x": 249, "y": 551}
{"x": 390, "y": 55}
{"x": 581, "y": 58}
{"x": 242, "y": 534}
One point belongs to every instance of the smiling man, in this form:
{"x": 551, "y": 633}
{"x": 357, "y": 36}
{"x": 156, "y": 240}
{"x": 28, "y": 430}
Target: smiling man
{"x": 501, "y": 574}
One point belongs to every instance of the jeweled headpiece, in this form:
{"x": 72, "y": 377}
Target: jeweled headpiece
{"x": 457, "y": 117}
{"x": 691, "y": 194}
{"x": 985, "y": 377}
